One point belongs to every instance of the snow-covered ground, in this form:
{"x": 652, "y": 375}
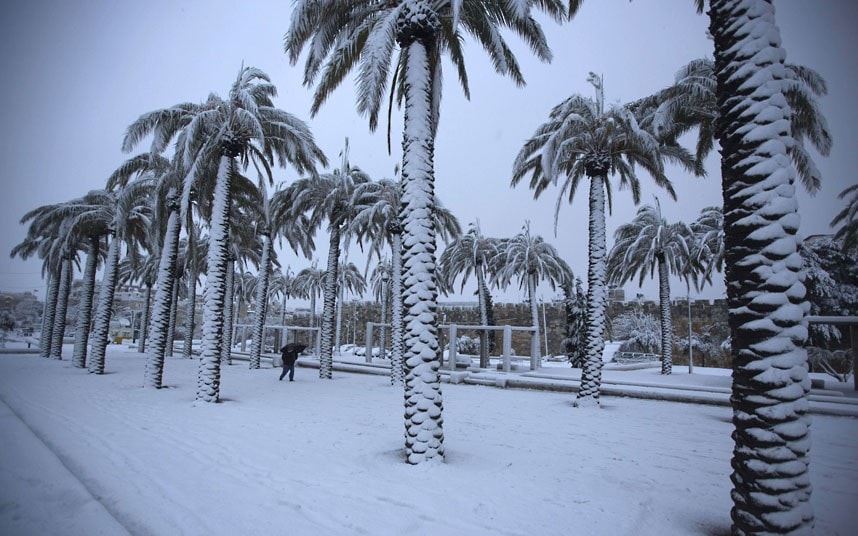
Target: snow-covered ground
{"x": 84, "y": 454}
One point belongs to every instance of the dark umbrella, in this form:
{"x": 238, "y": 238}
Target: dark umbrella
{"x": 293, "y": 347}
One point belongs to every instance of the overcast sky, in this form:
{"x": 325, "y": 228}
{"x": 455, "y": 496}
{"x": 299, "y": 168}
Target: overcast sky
{"x": 78, "y": 73}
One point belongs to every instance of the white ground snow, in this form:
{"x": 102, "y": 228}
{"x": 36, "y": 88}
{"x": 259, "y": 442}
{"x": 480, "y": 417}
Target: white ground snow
{"x": 326, "y": 457}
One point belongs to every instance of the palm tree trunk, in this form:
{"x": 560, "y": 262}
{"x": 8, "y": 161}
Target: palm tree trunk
{"x": 771, "y": 485}
{"x": 160, "y": 323}
{"x": 261, "y": 303}
{"x": 397, "y": 372}
{"x": 339, "y": 324}
{"x": 666, "y": 322}
{"x": 229, "y": 298}
{"x": 49, "y": 314}
{"x": 484, "y": 313}
{"x": 326, "y": 359}
{"x": 189, "y": 315}
{"x": 105, "y": 308}
{"x": 534, "y": 317}
{"x": 59, "y": 330}
{"x": 144, "y": 328}
{"x": 84, "y": 317}
{"x": 424, "y": 432}
{"x": 208, "y": 378}
{"x": 591, "y": 371}
{"x": 313, "y": 309}
{"x": 174, "y": 312}
{"x": 382, "y": 335}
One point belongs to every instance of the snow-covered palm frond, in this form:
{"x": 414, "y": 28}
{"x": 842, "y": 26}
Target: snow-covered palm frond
{"x": 847, "y": 219}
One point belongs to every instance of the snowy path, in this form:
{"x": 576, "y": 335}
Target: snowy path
{"x": 324, "y": 457}
{"x": 38, "y": 494}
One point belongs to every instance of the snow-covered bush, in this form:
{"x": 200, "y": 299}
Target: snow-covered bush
{"x": 467, "y": 345}
{"x": 837, "y": 363}
{"x": 7, "y": 324}
{"x": 640, "y": 331}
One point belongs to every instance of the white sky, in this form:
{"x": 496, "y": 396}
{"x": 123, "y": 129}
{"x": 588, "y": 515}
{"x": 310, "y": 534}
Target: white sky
{"x": 78, "y": 73}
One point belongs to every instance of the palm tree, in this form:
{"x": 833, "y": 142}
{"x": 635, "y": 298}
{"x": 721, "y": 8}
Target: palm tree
{"x": 644, "y": 245}
{"x": 127, "y": 213}
{"x": 583, "y": 140}
{"x": 43, "y": 235}
{"x": 247, "y": 125}
{"x": 771, "y": 487}
{"x": 848, "y": 219}
{"x": 530, "y": 259}
{"x": 378, "y": 222}
{"x": 350, "y": 34}
{"x": 349, "y": 279}
{"x": 163, "y": 234}
{"x": 379, "y": 282}
{"x": 691, "y": 103}
{"x": 96, "y": 230}
{"x": 274, "y": 219}
{"x": 471, "y": 253}
{"x": 309, "y": 284}
{"x": 328, "y": 197}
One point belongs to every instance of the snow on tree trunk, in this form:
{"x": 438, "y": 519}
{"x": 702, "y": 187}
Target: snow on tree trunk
{"x": 397, "y": 372}
{"x": 261, "y": 302}
{"x": 766, "y": 297}
{"x": 208, "y": 377}
{"x": 49, "y": 314}
{"x": 174, "y": 312}
{"x": 666, "y": 322}
{"x": 313, "y": 309}
{"x": 226, "y": 350}
{"x": 329, "y": 307}
{"x": 160, "y": 322}
{"x": 534, "y": 313}
{"x": 382, "y": 335}
{"x": 424, "y": 433}
{"x": 189, "y": 315}
{"x": 482, "y": 290}
{"x": 591, "y": 371}
{"x": 339, "y": 323}
{"x": 84, "y": 317}
{"x": 144, "y": 328}
{"x": 105, "y": 308}
{"x": 59, "y": 329}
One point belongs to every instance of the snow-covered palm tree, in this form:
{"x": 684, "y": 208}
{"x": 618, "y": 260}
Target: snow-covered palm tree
{"x": 328, "y": 198}
{"x": 379, "y": 282}
{"x": 691, "y": 103}
{"x": 309, "y": 284}
{"x": 274, "y": 219}
{"x": 127, "y": 213}
{"x": 583, "y": 140}
{"x": 771, "y": 486}
{"x": 349, "y": 279}
{"x": 44, "y": 235}
{"x": 470, "y": 253}
{"x": 377, "y": 221}
{"x": 346, "y": 35}
{"x": 847, "y": 219}
{"x": 531, "y": 260}
{"x": 163, "y": 234}
{"x": 643, "y": 246}
{"x": 245, "y": 126}
{"x": 57, "y": 223}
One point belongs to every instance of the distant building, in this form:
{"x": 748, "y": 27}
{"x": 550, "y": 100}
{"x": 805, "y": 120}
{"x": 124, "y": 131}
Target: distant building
{"x": 616, "y": 294}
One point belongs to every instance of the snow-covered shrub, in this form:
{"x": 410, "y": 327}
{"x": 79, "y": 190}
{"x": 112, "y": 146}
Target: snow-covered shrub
{"x": 837, "y": 363}
{"x": 7, "y": 324}
{"x": 467, "y": 345}
{"x": 640, "y": 331}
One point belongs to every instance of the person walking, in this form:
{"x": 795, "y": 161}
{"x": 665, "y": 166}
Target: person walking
{"x": 289, "y": 353}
